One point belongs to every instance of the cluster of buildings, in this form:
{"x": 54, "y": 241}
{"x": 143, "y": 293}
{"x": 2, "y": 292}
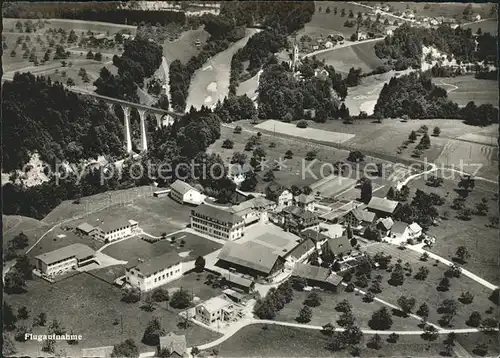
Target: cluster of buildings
{"x": 109, "y": 231}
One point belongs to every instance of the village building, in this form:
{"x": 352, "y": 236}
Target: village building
{"x": 217, "y": 222}
{"x": 403, "y": 231}
{"x": 238, "y": 173}
{"x": 184, "y": 193}
{"x": 175, "y": 345}
{"x": 359, "y": 219}
{"x": 338, "y": 246}
{"x": 305, "y": 202}
{"x": 317, "y": 276}
{"x": 296, "y": 219}
{"x": 86, "y": 229}
{"x": 384, "y": 226}
{"x": 237, "y": 281}
{"x": 64, "y": 260}
{"x": 383, "y": 207}
{"x": 116, "y": 230}
{"x": 156, "y": 272}
{"x": 214, "y": 311}
{"x": 235, "y": 296}
{"x": 253, "y": 210}
{"x": 282, "y": 196}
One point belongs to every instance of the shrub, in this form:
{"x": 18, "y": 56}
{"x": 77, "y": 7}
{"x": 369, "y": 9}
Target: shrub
{"x": 302, "y": 124}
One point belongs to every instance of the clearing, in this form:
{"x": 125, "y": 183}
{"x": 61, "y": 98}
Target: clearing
{"x": 210, "y": 83}
{"x": 184, "y": 47}
{"x": 463, "y": 89}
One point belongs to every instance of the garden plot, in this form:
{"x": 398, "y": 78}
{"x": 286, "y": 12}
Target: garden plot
{"x": 307, "y": 133}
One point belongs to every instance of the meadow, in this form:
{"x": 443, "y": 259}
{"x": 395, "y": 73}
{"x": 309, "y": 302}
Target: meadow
{"x": 183, "y": 48}
{"x": 436, "y": 9}
{"x": 463, "y": 89}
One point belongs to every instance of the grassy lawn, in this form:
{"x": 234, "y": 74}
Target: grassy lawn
{"x": 184, "y": 47}
{"x": 281, "y": 341}
{"x": 469, "y": 89}
{"x": 436, "y": 9}
{"x": 481, "y": 241}
{"x": 89, "y": 307}
{"x": 490, "y": 26}
{"x": 77, "y": 25}
{"x": 15, "y": 224}
{"x": 326, "y": 313}
{"x": 211, "y": 82}
{"x": 134, "y": 248}
{"x": 425, "y": 291}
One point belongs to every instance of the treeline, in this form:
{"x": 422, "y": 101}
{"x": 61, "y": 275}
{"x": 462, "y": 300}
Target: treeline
{"x": 282, "y": 95}
{"x": 92, "y": 11}
{"x": 41, "y": 116}
{"x": 140, "y": 59}
{"x": 222, "y": 32}
{"x": 415, "y": 96}
{"x": 171, "y": 147}
{"x": 404, "y": 48}
{"x": 279, "y": 19}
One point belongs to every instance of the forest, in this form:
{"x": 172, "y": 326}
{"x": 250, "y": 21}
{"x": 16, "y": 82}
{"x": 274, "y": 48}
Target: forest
{"x": 404, "y": 48}
{"x": 41, "y": 116}
{"x": 414, "y": 95}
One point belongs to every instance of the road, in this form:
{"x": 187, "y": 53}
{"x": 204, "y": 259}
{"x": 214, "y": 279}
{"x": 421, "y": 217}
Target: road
{"x": 345, "y": 44}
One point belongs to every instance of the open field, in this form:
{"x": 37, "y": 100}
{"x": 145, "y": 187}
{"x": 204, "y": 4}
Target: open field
{"x": 358, "y": 56}
{"x": 14, "y": 224}
{"x": 210, "y": 83}
{"x": 135, "y": 248}
{"x": 91, "y": 307}
{"x": 463, "y": 89}
{"x": 281, "y": 341}
{"x": 490, "y": 26}
{"x": 371, "y": 139}
{"x": 308, "y": 133}
{"x": 326, "y": 313}
{"x": 249, "y": 87}
{"x": 447, "y": 9}
{"x": 184, "y": 47}
{"x": 481, "y": 241}
{"x": 425, "y": 291}
{"x": 77, "y": 25}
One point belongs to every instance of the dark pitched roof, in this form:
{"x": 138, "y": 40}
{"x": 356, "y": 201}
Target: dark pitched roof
{"x": 79, "y": 251}
{"x": 399, "y": 227}
{"x": 218, "y": 214}
{"x": 85, "y": 227}
{"x": 316, "y": 273}
{"x": 339, "y": 244}
{"x": 300, "y": 213}
{"x": 314, "y": 235}
{"x": 381, "y": 204}
{"x": 302, "y": 248}
{"x": 158, "y": 263}
{"x": 250, "y": 254}
{"x": 363, "y": 215}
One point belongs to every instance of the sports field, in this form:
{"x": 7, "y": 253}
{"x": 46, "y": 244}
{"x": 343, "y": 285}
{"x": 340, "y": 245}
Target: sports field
{"x": 463, "y": 89}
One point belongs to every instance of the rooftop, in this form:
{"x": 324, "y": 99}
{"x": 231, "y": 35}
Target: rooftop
{"x": 85, "y": 227}
{"x": 399, "y": 227}
{"x": 158, "y": 263}
{"x": 250, "y": 254}
{"x": 363, "y": 215}
{"x": 300, "y": 213}
{"x": 316, "y": 273}
{"x": 381, "y": 204}
{"x": 215, "y": 303}
{"x": 386, "y": 223}
{"x": 79, "y": 251}
{"x": 251, "y": 204}
{"x": 339, "y": 244}
{"x": 232, "y": 293}
{"x": 304, "y": 199}
{"x": 120, "y": 223}
{"x": 174, "y": 343}
{"x": 237, "y": 279}
{"x": 415, "y": 227}
{"x": 216, "y": 213}
{"x": 181, "y": 187}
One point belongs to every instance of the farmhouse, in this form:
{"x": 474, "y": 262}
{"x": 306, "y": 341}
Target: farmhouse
{"x": 236, "y": 281}
{"x": 305, "y": 202}
{"x": 337, "y": 213}
{"x": 402, "y": 231}
{"x": 155, "y": 272}
{"x": 384, "y": 225}
{"x": 65, "y": 259}
{"x": 174, "y": 344}
{"x": 86, "y": 229}
{"x": 338, "y": 245}
{"x": 116, "y": 230}
{"x": 317, "y": 276}
{"x": 359, "y": 219}
{"x": 217, "y": 222}
{"x": 214, "y": 311}
{"x": 297, "y": 219}
{"x": 280, "y": 195}
{"x": 383, "y": 207}
{"x": 253, "y": 210}
{"x": 182, "y": 192}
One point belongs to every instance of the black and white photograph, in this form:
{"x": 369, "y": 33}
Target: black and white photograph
{"x": 240, "y": 179}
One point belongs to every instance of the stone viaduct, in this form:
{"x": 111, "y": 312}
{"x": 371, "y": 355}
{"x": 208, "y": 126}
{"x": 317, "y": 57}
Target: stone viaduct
{"x": 162, "y": 116}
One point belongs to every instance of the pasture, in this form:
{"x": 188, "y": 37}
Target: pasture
{"x": 76, "y": 25}
{"x": 447, "y": 9}
{"x": 360, "y": 55}
{"x": 183, "y": 48}
{"x": 463, "y": 89}
{"x": 210, "y": 83}
{"x": 80, "y": 301}
{"x": 490, "y": 26}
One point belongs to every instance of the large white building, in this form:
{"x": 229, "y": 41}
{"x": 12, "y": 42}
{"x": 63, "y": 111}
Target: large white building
{"x": 184, "y": 193}
{"x": 115, "y": 230}
{"x": 217, "y": 222}
{"x": 65, "y": 259}
{"x": 214, "y": 310}
{"x": 253, "y": 210}
{"x": 279, "y": 194}
{"x": 156, "y": 272}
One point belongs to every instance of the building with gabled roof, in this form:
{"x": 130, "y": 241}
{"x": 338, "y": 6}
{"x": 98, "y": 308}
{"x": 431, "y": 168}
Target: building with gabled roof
{"x": 359, "y": 219}
{"x": 338, "y": 245}
{"x": 305, "y": 202}
{"x": 155, "y": 272}
{"x": 384, "y": 225}
{"x": 296, "y": 219}
{"x": 86, "y": 229}
{"x": 183, "y": 193}
{"x": 403, "y": 231}
{"x": 217, "y": 222}
{"x": 237, "y": 281}
{"x": 115, "y": 230}
{"x": 174, "y": 344}
{"x": 64, "y": 259}
{"x": 215, "y": 310}
{"x": 252, "y": 210}
{"x": 317, "y": 276}
{"x": 280, "y": 194}
{"x": 383, "y": 207}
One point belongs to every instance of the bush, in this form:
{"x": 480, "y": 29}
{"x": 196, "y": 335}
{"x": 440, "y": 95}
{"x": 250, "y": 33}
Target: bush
{"x": 237, "y": 130}
{"x": 302, "y": 124}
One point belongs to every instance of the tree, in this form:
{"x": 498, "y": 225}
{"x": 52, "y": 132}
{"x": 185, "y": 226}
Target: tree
{"x": 466, "y": 182}
{"x": 180, "y": 299}
{"x": 397, "y": 276}
{"x": 423, "y": 310}
{"x": 22, "y": 313}
{"x": 313, "y": 300}
{"x": 462, "y": 253}
{"x": 375, "y": 342}
{"x": 127, "y": 348}
{"x": 56, "y": 328}
{"x": 413, "y": 136}
{"x": 430, "y": 333}
{"x": 406, "y": 304}
{"x": 444, "y": 284}
{"x": 265, "y": 310}
{"x": 131, "y": 295}
{"x": 305, "y": 315}
{"x": 302, "y": 123}
{"x": 228, "y": 143}
{"x": 436, "y": 132}
{"x": 269, "y": 175}
{"x": 153, "y": 332}
{"x": 289, "y": 154}
{"x": 425, "y": 141}
{"x": 70, "y": 82}
{"x": 148, "y": 305}
{"x": 343, "y": 306}
{"x": 381, "y": 319}
{"x": 42, "y": 319}
{"x": 14, "y": 281}
{"x": 355, "y": 156}
{"x": 346, "y": 319}
{"x": 49, "y": 346}
{"x": 393, "y": 337}
{"x": 98, "y": 56}
{"x": 481, "y": 349}
{"x": 482, "y": 207}
{"x": 474, "y": 319}
{"x": 366, "y": 191}
{"x": 9, "y": 318}
{"x": 352, "y": 334}
{"x": 160, "y": 295}
{"x": 466, "y": 297}
{"x": 20, "y": 241}
{"x": 449, "y": 343}
{"x": 311, "y": 155}
{"x": 237, "y": 129}
{"x": 422, "y": 273}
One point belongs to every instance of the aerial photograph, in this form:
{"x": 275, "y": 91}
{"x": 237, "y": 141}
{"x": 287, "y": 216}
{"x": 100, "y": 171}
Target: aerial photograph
{"x": 250, "y": 179}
